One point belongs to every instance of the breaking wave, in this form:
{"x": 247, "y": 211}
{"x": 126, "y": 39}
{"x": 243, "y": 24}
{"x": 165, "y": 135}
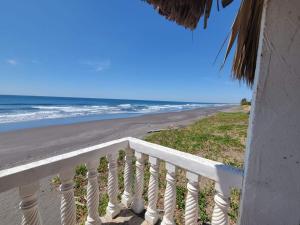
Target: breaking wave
{"x": 10, "y": 113}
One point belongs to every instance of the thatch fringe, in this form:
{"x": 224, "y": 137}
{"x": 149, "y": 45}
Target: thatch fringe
{"x": 245, "y": 29}
{"x": 185, "y": 12}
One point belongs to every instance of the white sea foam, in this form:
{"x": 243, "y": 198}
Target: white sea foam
{"x": 39, "y": 112}
{"x": 125, "y": 106}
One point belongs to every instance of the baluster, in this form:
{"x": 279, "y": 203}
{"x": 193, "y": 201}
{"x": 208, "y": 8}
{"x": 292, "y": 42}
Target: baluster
{"x": 220, "y": 212}
{"x": 67, "y": 206}
{"x": 113, "y": 208}
{"x": 127, "y": 194}
{"x": 138, "y": 201}
{"x": 170, "y": 195}
{"x": 29, "y": 204}
{"x": 151, "y": 215}
{"x": 92, "y": 194}
{"x": 191, "y": 206}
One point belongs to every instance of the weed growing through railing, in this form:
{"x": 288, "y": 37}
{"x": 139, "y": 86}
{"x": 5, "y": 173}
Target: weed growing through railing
{"x": 202, "y": 207}
{"x": 55, "y": 180}
{"x": 234, "y": 204}
{"x": 180, "y": 197}
{"x": 81, "y": 170}
{"x": 80, "y": 183}
{"x": 103, "y": 201}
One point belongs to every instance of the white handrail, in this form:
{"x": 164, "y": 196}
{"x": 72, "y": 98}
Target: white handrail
{"x": 31, "y": 172}
{"x": 216, "y": 171}
{"x": 226, "y": 176}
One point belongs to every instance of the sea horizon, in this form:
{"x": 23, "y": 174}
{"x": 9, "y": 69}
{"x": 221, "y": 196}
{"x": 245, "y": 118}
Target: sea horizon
{"x": 154, "y": 100}
{"x": 26, "y": 111}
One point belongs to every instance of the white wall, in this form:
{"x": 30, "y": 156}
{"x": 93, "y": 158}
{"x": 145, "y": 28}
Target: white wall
{"x": 271, "y": 189}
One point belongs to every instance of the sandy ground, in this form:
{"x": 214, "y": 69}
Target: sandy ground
{"x": 28, "y": 145}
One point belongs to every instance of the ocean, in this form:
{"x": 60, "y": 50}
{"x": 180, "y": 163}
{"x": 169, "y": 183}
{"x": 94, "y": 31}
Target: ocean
{"x": 19, "y": 112}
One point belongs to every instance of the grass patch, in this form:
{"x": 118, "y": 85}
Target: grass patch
{"x": 220, "y": 137}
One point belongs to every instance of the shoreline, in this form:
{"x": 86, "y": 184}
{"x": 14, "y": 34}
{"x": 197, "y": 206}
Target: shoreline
{"x": 46, "y": 122}
{"x": 22, "y": 112}
{"x": 27, "y": 145}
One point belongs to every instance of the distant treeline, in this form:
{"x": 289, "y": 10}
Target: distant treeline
{"x": 244, "y": 101}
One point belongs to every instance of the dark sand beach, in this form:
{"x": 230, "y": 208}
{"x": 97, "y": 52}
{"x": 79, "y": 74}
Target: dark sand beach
{"x": 23, "y": 146}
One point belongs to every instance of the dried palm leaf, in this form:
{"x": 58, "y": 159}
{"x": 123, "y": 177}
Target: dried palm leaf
{"x": 185, "y": 12}
{"x": 226, "y": 3}
{"x": 246, "y": 29}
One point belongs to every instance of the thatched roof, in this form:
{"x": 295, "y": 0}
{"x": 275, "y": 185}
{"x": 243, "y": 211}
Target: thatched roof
{"x": 245, "y": 28}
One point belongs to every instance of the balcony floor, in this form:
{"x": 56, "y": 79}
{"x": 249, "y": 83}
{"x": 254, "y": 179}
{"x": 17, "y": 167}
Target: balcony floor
{"x": 125, "y": 217}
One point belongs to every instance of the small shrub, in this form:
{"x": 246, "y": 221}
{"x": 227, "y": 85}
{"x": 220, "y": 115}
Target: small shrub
{"x": 55, "y": 180}
{"x": 202, "y": 207}
{"x": 81, "y": 170}
{"x": 234, "y": 204}
{"x": 103, "y": 202}
{"x": 180, "y": 197}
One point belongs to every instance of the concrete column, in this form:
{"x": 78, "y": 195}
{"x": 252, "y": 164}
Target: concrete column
{"x": 138, "y": 205}
{"x": 67, "y": 200}
{"x": 128, "y": 175}
{"x": 192, "y": 199}
{"x": 170, "y": 196}
{"x": 113, "y": 208}
{"x": 271, "y": 189}
{"x": 92, "y": 196}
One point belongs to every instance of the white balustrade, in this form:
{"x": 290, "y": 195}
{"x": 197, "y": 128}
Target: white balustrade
{"x": 128, "y": 175}
{"x": 29, "y": 204}
{"x": 113, "y": 208}
{"x": 67, "y": 201}
{"x": 138, "y": 201}
{"x": 170, "y": 195}
{"x": 92, "y": 193}
{"x": 191, "y": 205}
{"x": 151, "y": 215}
{"x": 26, "y": 176}
{"x": 220, "y": 211}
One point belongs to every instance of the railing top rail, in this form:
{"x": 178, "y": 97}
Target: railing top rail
{"x": 31, "y": 172}
{"x": 226, "y": 176}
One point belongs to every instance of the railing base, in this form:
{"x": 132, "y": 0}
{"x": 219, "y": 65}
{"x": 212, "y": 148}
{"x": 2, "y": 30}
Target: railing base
{"x": 151, "y": 217}
{"x": 138, "y": 206}
{"x": 112, "y": 211}
{"x": 93, "y": 222}
{"x": 126, "y": 200}
{"x": 126, "y": 216}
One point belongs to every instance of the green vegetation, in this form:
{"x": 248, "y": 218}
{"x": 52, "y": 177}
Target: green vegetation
{"x": 245, "y": 102}
{"x": 220, "y": 137}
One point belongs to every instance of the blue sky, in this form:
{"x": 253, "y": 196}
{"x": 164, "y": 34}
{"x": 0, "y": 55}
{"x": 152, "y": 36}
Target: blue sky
{"x": 112, "y": 49}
